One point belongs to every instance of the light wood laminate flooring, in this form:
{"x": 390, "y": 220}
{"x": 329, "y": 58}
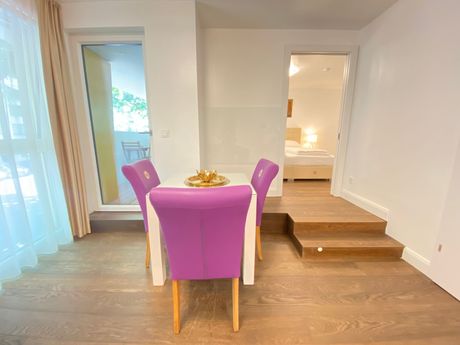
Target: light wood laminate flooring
{"x": 97, "y": 291}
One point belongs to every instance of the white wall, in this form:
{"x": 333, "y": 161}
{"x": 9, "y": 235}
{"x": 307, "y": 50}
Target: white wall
{"x": 445, "y": 261}
{"x": 170, "y": 63}
{"x": 405, "y": 121}
{"x": 200, "y": 72}
{"x": 244, "y": 100}
{"x": 317, "y": 108}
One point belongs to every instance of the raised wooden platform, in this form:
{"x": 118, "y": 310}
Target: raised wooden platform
{"x": 320, "y": 225}
{"x": 326, "y": 227}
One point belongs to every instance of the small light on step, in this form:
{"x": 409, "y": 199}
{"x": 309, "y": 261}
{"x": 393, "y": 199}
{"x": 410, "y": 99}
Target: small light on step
{"x": 320, "y": 249}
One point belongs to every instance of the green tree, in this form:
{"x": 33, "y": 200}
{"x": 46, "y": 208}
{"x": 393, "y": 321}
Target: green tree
{"x": 125, "y": 102}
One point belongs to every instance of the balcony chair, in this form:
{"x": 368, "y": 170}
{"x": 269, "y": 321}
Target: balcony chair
{"x": 263, "y": 175}
{"x": 134, "y": 147}
{"x": 203, "y": 231}
{"x": 143, "y": 177}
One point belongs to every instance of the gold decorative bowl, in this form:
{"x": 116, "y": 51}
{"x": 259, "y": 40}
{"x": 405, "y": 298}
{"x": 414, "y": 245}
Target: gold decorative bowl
{"x": 206, "y": 178}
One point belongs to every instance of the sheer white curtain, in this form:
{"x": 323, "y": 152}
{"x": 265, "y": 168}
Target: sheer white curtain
{"x": 33, "y": 213}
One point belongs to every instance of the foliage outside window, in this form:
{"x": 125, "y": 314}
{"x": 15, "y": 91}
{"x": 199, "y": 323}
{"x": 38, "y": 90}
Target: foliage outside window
{"x": 129, "y": 112}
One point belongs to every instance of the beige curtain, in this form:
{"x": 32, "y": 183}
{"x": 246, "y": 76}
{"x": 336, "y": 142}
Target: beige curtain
{"x": 62, "y": 113}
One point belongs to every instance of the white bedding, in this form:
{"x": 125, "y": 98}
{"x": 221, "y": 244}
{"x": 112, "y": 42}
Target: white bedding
{"x": 306, "y": 152}
{"x": 305, "y": 157}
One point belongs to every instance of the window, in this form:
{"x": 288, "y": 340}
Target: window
{"x": 33, "y": 213}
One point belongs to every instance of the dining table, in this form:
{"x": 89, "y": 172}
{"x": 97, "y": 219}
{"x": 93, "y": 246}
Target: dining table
{"x": 157, "y": 248}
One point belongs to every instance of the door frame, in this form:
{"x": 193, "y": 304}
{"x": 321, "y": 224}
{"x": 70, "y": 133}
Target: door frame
{"x": 351, "y": 52}
{"x": 85, "y": 133}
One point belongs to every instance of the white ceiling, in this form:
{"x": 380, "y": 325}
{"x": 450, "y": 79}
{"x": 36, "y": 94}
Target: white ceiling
{"x": 290, "y": 14}
{"x": 127, "y": 65}
{"x": 318, "y": 71}
{"x": 284, "y": 14}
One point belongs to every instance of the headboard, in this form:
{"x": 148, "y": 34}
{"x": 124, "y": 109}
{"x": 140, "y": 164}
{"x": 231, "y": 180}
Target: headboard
{"x": 294, "y": 134}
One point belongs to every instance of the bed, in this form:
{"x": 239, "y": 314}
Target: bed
{"x": 301, "y": 163}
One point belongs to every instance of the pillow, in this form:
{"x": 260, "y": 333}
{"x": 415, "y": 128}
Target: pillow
{"x": 291, "y": 143}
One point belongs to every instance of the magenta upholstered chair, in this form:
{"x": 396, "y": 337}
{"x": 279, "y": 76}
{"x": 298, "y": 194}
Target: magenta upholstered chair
{"x": 143, "y": 177}
{"x": 203, "y": 230}
{"x": 263, "y": 175}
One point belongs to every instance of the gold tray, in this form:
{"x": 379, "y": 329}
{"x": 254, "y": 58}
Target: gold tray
{"x": 195, "y": 181}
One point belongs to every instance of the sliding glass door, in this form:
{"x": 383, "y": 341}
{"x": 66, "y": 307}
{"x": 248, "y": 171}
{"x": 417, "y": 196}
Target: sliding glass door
{"x": 115, "y": 86}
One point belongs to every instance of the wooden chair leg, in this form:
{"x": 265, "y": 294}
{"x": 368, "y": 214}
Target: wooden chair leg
{"x": 236, "y": 319}
{"x": 176, "y": 306}
{"x": 147, "y": 251}
{"x": 259, "y": 243}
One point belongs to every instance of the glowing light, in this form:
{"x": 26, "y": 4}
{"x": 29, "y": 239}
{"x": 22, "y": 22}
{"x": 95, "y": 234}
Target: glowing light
{"x": 312, "y": 138}
{"x": 293, "y": 69}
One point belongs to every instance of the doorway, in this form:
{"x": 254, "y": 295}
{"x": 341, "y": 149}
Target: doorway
{"x": 318, "y": 97}
{"x": 116, "y": 96}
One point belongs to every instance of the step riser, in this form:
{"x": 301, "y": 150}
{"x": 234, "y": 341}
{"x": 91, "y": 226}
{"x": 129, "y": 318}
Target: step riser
{"x": 340, "y": 233}
{"x": 298, "y": 246}
{"x": 340, "y": 227}
{"x": 271, "y": 223}
{"x": 274, "y": 223}
{"x": 362, "y": 252}
{"x": 98, "y": 226}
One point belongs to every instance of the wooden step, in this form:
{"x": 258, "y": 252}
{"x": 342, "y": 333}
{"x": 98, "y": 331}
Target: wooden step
{"x": 352, "y": 247}
{"x": 274, "y": 222}
{"x": 326, "y": 229}
{"x": 116, "y": 221}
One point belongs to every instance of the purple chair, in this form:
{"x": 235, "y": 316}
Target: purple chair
{"x": 143, "y": 177}
{"x": 263, "y": 175}
{"x": 203, "y": 230}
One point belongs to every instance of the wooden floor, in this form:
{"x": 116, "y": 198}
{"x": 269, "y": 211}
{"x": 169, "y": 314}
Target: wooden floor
{"x": 97, "y": 291}
{"x": 311, "y": 201}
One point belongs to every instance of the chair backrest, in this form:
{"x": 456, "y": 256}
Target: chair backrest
{"x": 130, "y": 144}
{"x": 134, "y": 147}
{"x": 263, "y": 175}
{"x": 203, "y": 229}
{"x": 143, "y": 177}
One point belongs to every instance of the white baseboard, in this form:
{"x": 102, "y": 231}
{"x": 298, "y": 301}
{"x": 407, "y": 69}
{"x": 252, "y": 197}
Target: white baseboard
{"x": 415, "y": 259}
{"x": 410, "y": 256}
{"x": 366, "y": 204}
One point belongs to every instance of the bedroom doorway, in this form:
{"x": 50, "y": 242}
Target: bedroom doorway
{"x": 317, "y": 115}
